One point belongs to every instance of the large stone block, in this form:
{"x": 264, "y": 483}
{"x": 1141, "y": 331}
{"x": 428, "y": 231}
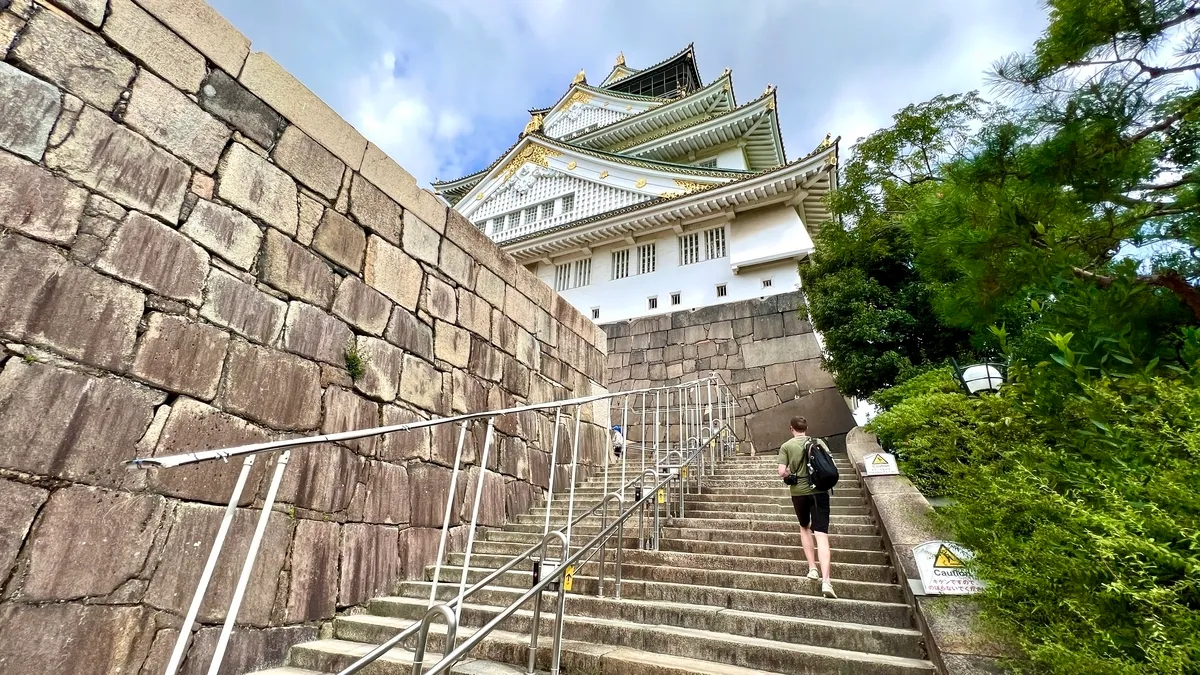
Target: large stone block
{"x": 180, "y": 355}
{"x": 491, "y": 499}
{"x": 193, "y": 530}
{"x": 273, "y": 84}
{"x": 780, "y": 373}
{"x": 458, "y": 265}
{"x": 340, "y": 240}
{"x": 505, "y": 332}
{"x": 79, "y": 557}
{"x": 421, "y": 385}
{"x": 35, "y": 202}
{"x": 19, "y": 503}
{"x": 312, "y": 595}
{"x": 225, "y": 232}
{"x": 193, "y": 426}
{"x": 370, "y": 562}
{"x": 381, "y": 379}
{"x": 420, "y": 240}
{"x": 157, "y": 258}
{"x": 826, "y": 412}
{"x": 429, "y": 485}
{"x": 364, "y": 307}
{"x": 204, "y": 28}
{"x": 289, "y": 267}
{"x": 242, "y": 308}
{"x": 310, "y": 163}
{"x": 80, "y": 62}
{"x": 452, "y": 344}
{"x": 811, "y": 375}
{"x": 40, "y": 295}
{"x": 387, "y": 495}
{"x": 490, "y": 287}
{"x": 28, "y": 108}
{"x": 780, "y": 350}
{"x": 418, "y": 548}
{"x": 122, "y": 165}
{"x": 73, "y": 638}
{"x": 260, "y": 188}
{"x": 250, "y": 649}
{"x": 62, "y": 423}
{"x": 402, "y": 445}
{"x": 346, "y": 411}
{"x": 321, "y": 478}
{"x": 375, "y": 210}
{"x": 439, "y": 299}
{"x": 224, "y": 97}
{"x": 393, "y": 273}
{"x": 154, "y": 44}
{"x": 88, "y": 11}
{"x": 312, "y": 333}
{"x": 161, "y": 113}
{"x": 276, "y": 389}
{"x": 409, "y": 333}
{"x": 521, "y": 310}
{"x": 390, "y": 177}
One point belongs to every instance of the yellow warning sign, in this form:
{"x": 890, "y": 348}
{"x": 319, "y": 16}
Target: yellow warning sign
{"x": 568, "y": 579}
{"x": 662, "y": 496}
{"x": 879, "y": 460}
{"x": 946, "y": 558}
{"x": 685, "y": 472}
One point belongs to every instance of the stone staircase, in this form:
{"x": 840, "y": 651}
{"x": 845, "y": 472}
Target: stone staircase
{"x": 725, "y": 595}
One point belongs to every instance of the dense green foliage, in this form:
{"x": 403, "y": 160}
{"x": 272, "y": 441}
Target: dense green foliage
{"x": 1059, "y": 228}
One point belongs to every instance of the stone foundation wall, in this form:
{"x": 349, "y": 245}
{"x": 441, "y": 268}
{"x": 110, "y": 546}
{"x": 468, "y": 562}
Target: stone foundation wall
{"x": 762, "y": 348}
{"x": 190, "y": 241}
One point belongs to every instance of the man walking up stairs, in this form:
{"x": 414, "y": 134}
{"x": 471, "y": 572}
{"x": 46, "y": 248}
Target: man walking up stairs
{"x": 726, "y": 594}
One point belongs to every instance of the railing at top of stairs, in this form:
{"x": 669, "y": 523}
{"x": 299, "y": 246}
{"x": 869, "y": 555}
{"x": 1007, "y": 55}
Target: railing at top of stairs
{"x": 704, "y": 410}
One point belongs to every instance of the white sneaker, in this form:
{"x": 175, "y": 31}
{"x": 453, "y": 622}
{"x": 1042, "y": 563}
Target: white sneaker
{"x": 827, "y": 590}
{"x": 813, "y": 573}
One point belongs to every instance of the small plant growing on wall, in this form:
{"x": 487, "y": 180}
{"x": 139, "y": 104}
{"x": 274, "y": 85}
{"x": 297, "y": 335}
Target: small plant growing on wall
{"x": 356, "y": 361}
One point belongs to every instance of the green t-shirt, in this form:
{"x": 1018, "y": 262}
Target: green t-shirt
{"x": 791, "y": 455}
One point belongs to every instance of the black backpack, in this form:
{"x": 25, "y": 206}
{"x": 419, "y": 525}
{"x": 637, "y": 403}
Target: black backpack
{"x": 822, "y": 472}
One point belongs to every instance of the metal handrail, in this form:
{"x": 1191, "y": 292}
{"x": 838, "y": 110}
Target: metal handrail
{"x": 477, "y": 636}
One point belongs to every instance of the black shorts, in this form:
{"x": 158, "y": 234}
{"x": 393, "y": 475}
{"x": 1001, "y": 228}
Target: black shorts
{"x": 815, "y": 508}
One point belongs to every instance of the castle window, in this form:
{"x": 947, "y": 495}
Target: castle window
{"x": 568, "y": 203}
{"x": 647, "y": 258}
{"x": 766, "y": 283}
{"x": 595, "y": 312}
{"x": 652, "y": 303}
{"x": 620, "y": 264}
{"x": 721, "y": 291}
{"x": 714, "y": 242}
{"x": 675, "y": 298}
{"x": 690, "y": 250}
{"x": 573, "y": 274}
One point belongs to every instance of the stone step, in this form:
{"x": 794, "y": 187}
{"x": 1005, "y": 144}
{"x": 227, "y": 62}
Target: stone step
{"x": 728, "y": 579}
{"x": 767, "y": 521}
{"x": 580, "y": 609}
{"x": 870, "y": 542}
{"x": 839, "y": 525}
{"x": 715, "y": 548}
{"x": 761, "y": 510}
{"x": 791, "y": 568}
{"x": 767, "y": 499}
{"x": 680, "y": 643}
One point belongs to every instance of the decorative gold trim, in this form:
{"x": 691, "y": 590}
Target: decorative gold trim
{"x": 831, "y": 160}
{"x": 478, "y": 197}
{"x": 603, "y": 175}
{"x": 571, "y": 165}
{"x": 641, "y": 183}
{"x": 629, "y": 107}
{"x": 535, "y": 124}
{"x": 826, "y": 143}
{"x": 580, "y": 97}
{"x": 532, "y": 154}
{"x": 620, "y": 58}
{"x": 690, "y": 186}
{"x": 580, "y": 78}
{"x": 669, "y": 194}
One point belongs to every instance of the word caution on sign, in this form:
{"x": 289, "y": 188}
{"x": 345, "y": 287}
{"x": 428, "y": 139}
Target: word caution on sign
{"x": 943, "y": 568}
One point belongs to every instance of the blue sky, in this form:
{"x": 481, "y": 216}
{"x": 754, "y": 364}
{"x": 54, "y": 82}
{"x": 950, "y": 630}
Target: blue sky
{"x": 443, "y": 85}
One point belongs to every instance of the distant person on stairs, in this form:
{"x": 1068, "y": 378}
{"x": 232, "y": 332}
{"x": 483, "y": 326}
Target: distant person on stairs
{"x": 812, "y": 506}
{"x": 618, "y": 440}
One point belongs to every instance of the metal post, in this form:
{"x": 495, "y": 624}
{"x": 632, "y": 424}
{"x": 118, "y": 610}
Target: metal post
{"x": 574, "y": 467}
{"x": 487, "y": 449}
{"x": 437, "y": 566}
{"x": 239, "y": 592}
{"x": 553, "y": 467}
{"x": 185, "y": 631}
{"x": 559, "y": 615}
{"x": 563, "y": 553}
{"x": 625, "y": 449}
{"x": 423, "y": 637}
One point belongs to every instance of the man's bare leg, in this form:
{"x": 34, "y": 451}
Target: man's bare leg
{"x": 822, "y": 553}
{"x": 806, "y": 538}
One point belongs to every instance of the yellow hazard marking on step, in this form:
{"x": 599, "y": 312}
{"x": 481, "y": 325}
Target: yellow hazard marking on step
{"x": 568, "y": 578}
{"x": 946, "y": 558}
{"x": 879, "y": 460}
{"x": 662, "y": 496}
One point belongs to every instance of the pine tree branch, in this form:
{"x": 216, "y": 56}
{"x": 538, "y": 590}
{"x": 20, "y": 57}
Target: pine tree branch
{"x": 1171, "y": 280}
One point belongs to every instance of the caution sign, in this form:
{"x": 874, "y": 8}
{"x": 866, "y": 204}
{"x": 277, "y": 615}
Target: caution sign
{"x": 880, "y": 464}
{"x": 943, "y": 568}
{"x": 662, "y": 496}
{"x": 685, "y": 472}
{"x": 568, "y": 579}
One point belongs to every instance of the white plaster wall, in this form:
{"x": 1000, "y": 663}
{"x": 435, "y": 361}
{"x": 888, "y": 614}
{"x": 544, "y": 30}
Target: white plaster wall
{"x": 768, "y": 234}
{"x": 731, "y": 158}
{"x": 590, "y": 197}
{"x": 697, "y": 283}
{"x": 562, "y": 123}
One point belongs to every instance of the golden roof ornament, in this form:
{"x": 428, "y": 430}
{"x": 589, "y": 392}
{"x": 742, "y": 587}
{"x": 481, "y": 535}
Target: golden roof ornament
{"x": 770, "y": 89}
{"x": 580, "y": 78}
{"x": 620, "y": 58}
{"x": 826, "y": 143}
{"x": 535, "y": 124}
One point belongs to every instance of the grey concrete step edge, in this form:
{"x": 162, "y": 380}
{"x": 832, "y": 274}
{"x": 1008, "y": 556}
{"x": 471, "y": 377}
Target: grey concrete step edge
{"x": 581, "y": 610}
{"x": 856, "y": 542}
{"x": 731, "y": 525}
{"x": 717, "y": 548}
{"x": 742, "y": 651}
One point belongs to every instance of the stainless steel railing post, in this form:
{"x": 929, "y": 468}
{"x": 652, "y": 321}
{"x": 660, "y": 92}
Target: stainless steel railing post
{"x": 423, "y": 637}
{"x": 235, "y": 603}
{"x": 563, "y": 554}
{"x": 483, "y": 462}
{"x": 437, "y": 566}
{"x": 214, "y": 553}
{"x": 553, "y": 468}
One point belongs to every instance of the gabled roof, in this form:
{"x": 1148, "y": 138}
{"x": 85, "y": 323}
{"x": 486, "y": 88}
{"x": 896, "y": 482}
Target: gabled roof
{"x": 804, "y": 183}
{"x": 687, "y": 54}
{"x": 597, "y": 91}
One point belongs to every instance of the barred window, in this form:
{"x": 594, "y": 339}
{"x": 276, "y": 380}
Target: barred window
{"x": 647, "y": 258}
{"x": 547, "y": 210}
{"x": 652, "y": 303}
{"x": 620, "y": 264}
{"x": 583, "y": 272}
{"x": 568, "y": 202}
{"x": 531, "y": 214}
{"x": 710, "y": 163}
{"x": 721, "y": 290}
{"x": 676, "y": 298}
{"x": 689, "y": 248}
{"x": 714, "y": 242}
